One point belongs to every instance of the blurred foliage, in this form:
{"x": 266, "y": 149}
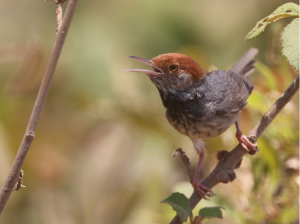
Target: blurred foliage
{"x": 290, "y": 36}
{"x": 284, "y": 11}
{"x": 102, "y": 152}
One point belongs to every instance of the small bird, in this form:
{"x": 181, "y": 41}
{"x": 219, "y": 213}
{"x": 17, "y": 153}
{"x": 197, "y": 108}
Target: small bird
{"x": 201, "y": 105}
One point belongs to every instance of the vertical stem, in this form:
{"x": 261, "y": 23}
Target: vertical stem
{"x": 13, "y": 175}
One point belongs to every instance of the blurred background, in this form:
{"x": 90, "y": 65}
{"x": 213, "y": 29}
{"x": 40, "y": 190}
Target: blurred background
{"x": 102, "y": 152}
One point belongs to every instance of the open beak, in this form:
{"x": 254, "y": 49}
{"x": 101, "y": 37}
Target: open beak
{"x": 147, "y": 62}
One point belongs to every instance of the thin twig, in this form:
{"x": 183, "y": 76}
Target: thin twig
{"x": 185, "y": 162}
{"x": 230, "y": 160}
{"x": 13, "y": 175}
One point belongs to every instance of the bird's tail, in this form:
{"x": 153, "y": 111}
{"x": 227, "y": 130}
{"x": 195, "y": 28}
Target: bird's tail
{"x": 245, "y": 65}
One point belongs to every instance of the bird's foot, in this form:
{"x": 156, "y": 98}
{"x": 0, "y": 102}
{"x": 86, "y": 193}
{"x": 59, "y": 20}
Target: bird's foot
{"x": 250, "y": 147}
{"x": 202, "y": 190}
{"x": 246, "y": 143}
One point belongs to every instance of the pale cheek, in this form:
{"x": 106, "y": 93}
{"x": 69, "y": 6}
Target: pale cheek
{"x": 182, "y": 84}
{"x": 179, "y": 83}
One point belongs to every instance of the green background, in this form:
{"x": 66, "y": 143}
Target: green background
{"x": 102, "y": 152}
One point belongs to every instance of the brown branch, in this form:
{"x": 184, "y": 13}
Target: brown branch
{"x": 229, "y": 161}
{"x": 13, "y": 175}
{"x": 185, "y": 162}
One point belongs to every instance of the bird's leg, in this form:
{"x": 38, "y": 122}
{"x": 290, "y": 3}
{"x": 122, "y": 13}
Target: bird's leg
{"x": 243, "y": 140}
{"x": 197, "y": 184}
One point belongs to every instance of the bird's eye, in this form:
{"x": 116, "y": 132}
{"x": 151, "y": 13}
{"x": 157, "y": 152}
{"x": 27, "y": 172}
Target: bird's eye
{"x": 173, "y": 68}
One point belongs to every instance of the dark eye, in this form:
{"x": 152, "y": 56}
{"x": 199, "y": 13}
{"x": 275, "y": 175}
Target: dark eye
{"x": 173, "y": 68}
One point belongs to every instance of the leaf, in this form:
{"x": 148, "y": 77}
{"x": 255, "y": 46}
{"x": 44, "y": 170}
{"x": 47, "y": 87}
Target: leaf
{"x": 180, "y": 203}
{"x": 284, "y": 11}
{"x": 290, "y": 43}
{"x": 211, "y": 212}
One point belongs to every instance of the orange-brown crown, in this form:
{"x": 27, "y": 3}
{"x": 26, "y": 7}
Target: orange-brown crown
{"x": 185, "y": 63}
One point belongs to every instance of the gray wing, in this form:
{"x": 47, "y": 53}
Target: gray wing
{"x": 239, "y": 87}
{"x": 228, "y": 92}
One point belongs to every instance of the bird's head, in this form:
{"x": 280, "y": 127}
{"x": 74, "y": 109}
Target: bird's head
{"x": 172, "y": 70}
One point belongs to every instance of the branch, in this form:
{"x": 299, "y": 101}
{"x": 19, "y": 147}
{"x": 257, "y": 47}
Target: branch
{"x": 185, "y": 162}
{"x": 223, "y": 172}
{"x": 14, "y": 173}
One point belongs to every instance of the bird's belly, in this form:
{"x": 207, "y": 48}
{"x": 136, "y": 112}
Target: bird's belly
{"x": 198, "y": 127}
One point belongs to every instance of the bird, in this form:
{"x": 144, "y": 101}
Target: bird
{"x": 201, "y": 104}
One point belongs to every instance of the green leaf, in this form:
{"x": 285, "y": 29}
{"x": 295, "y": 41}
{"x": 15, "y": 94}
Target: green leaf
{"x": 284, "y": 11}
{"x": 211, "y": 212}
{"x": 180, "y": 203}
{"x": 290, "y": 43}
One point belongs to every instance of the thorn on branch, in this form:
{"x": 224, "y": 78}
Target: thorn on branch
{"x": 19, "y": 184}
{"x": 30, "y": 136}
{"x": 185, "y": 162}
{"x": 226, "y": 175}
{"x": 221, "y": 154}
